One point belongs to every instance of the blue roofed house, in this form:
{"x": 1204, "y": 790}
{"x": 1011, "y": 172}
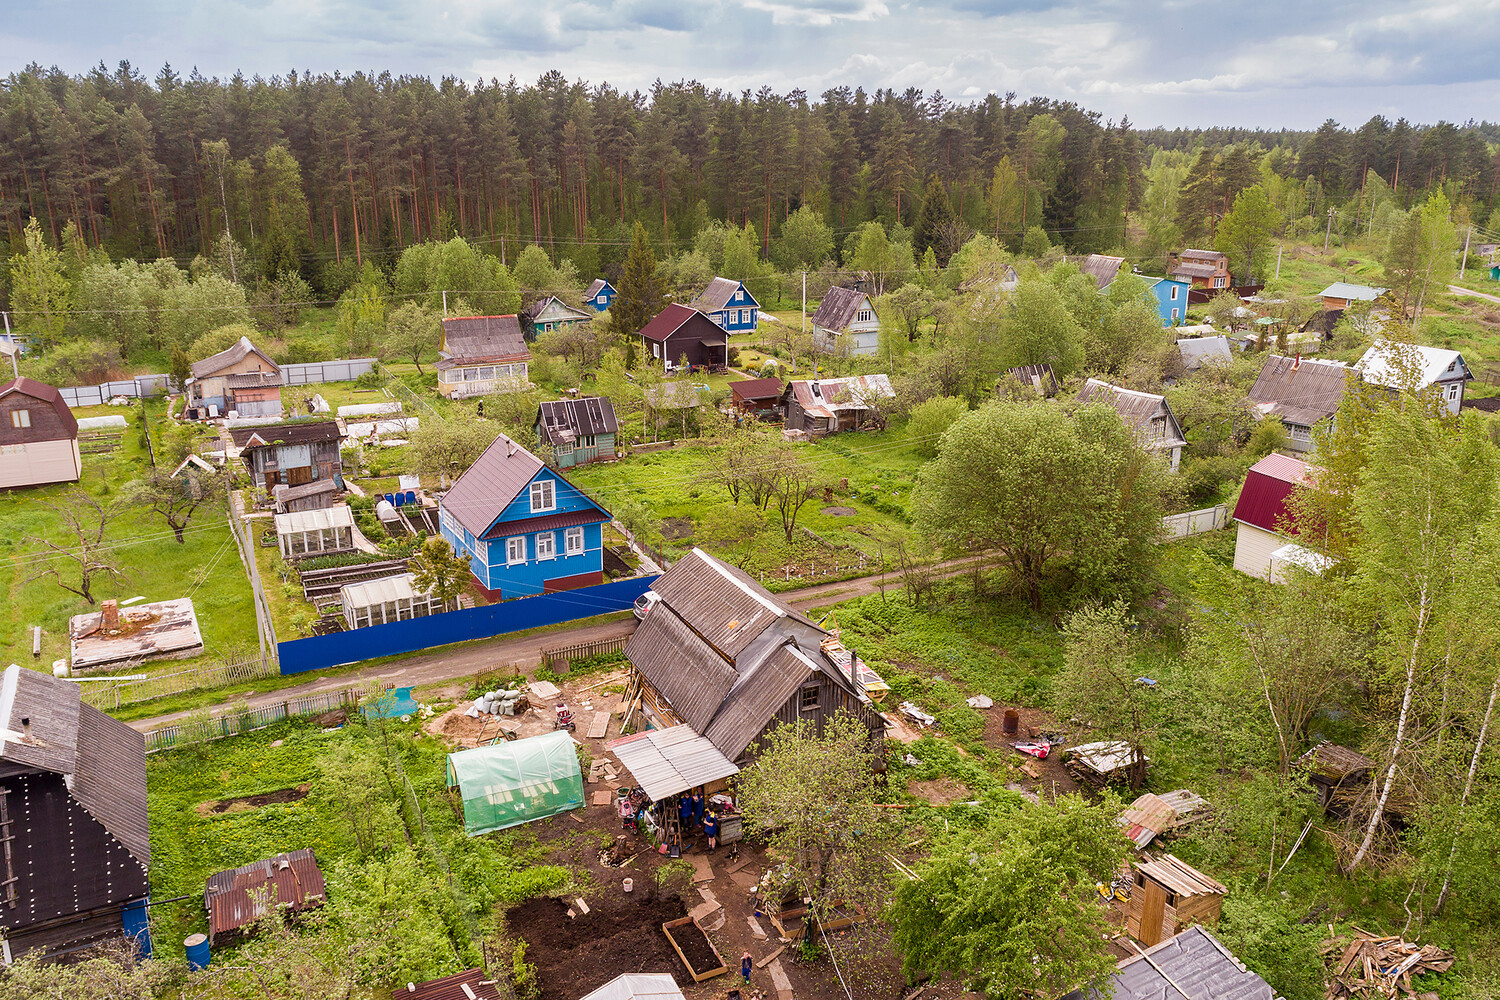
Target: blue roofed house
{"x": 525, "y": 528}
{"x": 729, "y": 304}
{"x": 1171, "y": 295}
{"x": 600, "y": 295}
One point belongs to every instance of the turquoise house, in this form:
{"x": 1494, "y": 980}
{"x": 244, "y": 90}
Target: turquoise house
{"x": 1171, "y": 296}
{"x": 579, "y": 430}
{"x": 525, "y": 529}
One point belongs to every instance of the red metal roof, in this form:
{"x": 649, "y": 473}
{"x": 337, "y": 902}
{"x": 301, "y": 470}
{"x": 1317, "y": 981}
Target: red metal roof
{"x": 673, "y": 318}
{"x": 551, "y": 522}
{"x": 1269, "y": 482}
{"x": 757, "y": 388}
{"x": 481, "y": 987}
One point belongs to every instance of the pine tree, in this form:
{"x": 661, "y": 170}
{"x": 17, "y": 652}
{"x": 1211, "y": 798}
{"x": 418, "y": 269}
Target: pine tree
{"x": 641, "y": 295}
{"x": 935, "y": 225}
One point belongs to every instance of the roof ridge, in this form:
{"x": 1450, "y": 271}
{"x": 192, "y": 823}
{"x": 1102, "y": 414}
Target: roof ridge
{"x": 723, "y": 571}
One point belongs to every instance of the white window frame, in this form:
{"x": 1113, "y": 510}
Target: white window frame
{"x": 546, "y": 546}
{"x": 1174, "y": 293}
{"x": 20, "y": 419}
{"x": 655, "y": 350}
{"x": 573, "y": 542}
{"x": 487, "y": 372}
{"x": 515, "y": 550}
{"x": 471, "y": 374}
{"x": 588, "y": 441}
{"x": 1453, "y": 390}
{"x": 543, "y": 496}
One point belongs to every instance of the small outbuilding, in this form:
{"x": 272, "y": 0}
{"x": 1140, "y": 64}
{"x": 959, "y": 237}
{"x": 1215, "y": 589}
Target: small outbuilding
{"x": 1331, "y": 768}
{"x": 1198, "y": 351}
{"x": 1264, "y": 528}
{"x": 759, "y": 397}
{"x": 237, "y": 898}
{"x": 516, "y": 782}
{"x": 38, "y": 436}
{"x": 827, "y": 406}
{"x": 638, "y": 986}
{"x": 315, "y": 532}
{"x": 1193, "y": 964}
{"x": 388, "y": 599}
{"x": 579, "y": 430}
{"x": 1170, "y": 894}
{"x": 470, "y": 984}
{"x": 316, "y": 495}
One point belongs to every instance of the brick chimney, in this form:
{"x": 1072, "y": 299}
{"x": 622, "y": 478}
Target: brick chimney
{"x": 1297, "y": 361}
{"x": 110, "y": 610}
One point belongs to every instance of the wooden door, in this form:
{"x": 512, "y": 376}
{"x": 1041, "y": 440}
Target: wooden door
{"x": 299, "y": 476}
{"x": 1153, "y": 910}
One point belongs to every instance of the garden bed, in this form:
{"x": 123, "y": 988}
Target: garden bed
{"x": 694, "y": 948}
{"x": 575, "y": 956}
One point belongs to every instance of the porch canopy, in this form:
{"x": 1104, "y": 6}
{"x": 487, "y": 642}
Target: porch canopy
{"x": 512, "y": 783}
{"x": 668, "y": 762}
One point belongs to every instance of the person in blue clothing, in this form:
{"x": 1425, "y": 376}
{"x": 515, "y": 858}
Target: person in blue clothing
{"x": 697, "y": 800}
{"x": 745, "y": 961}
{"x": 711, "y": 830}
{"x": 685, "y": 812}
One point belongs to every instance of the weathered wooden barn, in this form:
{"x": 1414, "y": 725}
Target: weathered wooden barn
{"x": 293, "y": 453}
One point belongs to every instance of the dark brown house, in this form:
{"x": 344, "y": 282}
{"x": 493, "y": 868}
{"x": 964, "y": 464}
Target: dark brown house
{"x": 38, "y": 436}
{"x": 73, "y": 825}
{"x": 723, "y": 655}
{"x": 678, "y": 332}
{"x": 757, "y": 396}
{"x": 291, "y": 453}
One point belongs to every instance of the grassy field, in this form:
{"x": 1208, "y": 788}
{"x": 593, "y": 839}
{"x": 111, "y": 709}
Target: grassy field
{"x": 205, "y": 567}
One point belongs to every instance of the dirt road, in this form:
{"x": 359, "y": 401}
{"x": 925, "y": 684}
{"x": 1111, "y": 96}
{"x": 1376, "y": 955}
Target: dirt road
{"x": 1456, "y": 290}
{"x": 432, "y": 668}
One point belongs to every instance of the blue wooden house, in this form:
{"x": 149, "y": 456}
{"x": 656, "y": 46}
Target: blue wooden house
{"x": 729, "y": 304}
{"x": 1171, "y": 295}
{"x": 525, "y": 529}
{"x": 599, "y": 296}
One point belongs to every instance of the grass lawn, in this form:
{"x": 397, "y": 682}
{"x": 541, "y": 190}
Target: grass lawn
{"x": 205, "y": 567}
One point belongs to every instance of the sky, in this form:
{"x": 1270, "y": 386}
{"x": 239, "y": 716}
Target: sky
{"x": 1272, "y": 63}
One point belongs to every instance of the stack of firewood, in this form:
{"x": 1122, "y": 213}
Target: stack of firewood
{"x": 1370, "y": 965}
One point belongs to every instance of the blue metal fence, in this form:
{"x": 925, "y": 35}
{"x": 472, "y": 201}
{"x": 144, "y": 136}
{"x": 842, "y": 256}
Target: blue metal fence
{"x": 301, "y": 655}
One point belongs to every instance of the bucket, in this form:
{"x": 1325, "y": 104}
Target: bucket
{"x": 197, "y": 951}
{"x": 628, "y": 885}
{"x": 1012, "y": 722}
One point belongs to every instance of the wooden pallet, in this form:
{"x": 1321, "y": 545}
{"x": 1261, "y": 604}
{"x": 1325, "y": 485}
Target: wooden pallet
{"x": 598, "y": 726}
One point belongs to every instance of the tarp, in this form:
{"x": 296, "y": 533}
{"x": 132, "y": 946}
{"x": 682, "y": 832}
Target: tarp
{"x": 509, "y": 784}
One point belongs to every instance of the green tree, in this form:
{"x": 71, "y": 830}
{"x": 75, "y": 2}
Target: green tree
{"x": 811, "y": 795}
{"x": 935, "y": 224}
{"x": 411, "y": 331}
{"x": 929, "y": 419}
{"x": 1044, "y": 490}
{"x": 1097, "y": 683}
{"x": 1039, "y": 330}
{"x": 806, "y": 241}
{"x": 1011, "y": 907}
{"x": 641, "y": 295}
{"x": 38, "y": 288}
{"x": 1035, "y": 244}
{"x": 181, "y": 369}
{"x": 176, "y": 500}
{"x": 444, "y": 449}
{"x": 885, "y": 262}
{"x": 439, "y": 571}
{"x": 1247, "y": 233}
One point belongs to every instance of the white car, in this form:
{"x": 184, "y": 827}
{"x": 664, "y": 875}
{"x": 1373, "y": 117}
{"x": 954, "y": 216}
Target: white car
{"x": 645, "y": 603}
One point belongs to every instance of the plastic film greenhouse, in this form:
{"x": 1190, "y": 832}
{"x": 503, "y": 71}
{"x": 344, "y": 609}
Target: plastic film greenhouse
{"x": 513, "y": 783}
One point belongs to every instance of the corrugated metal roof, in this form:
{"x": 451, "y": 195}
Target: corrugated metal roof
{"x": 1381, "y": 363}
{"x": 1146, "y": 817}
{"x": 1137, "y": 410}
{"x": 718, "y": 293}
{"x": 1354, "y": 293}
{"x": 827, "y": 397}
{"x": 1194, "y": 270}
{"x": 757, "y": 697}
{"x": 727, "y": 610}
{"x": 322, "y": 519}
{"x": 638, "y": 986}
{"x": 240, "y": 896}
{"x": 1196, "y": 350}
{"x": 667, "y": 762}
{"x": 598, "y": 285}
{"x": 304, "y": 432}
{"x": 478, "y": 339}
{"x": 496, "y": 478}
{"x": 678, "y": 663}
{"x": 1268, "y": 484}
{"x": 231, "y": 356}
{"x": 1209, "y": 255}
{"x": 368, "y": 593}
{"x": 481, "y": 987}
{"x": 254, "y": 380}
{"x": 286, "y": 494}
{"x": 1193, "y": 965}
{"x": 838, "y": 308}
{"x": 756, "y": 388}
{"x": 1102, "y": 268}
{"x": 564, "y": 421}
{"x": 1300, "y": 391}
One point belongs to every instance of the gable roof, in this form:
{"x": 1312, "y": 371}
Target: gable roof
{"x": 821, "y": 397}
{"x": 838, "y": 308}
{"x": 1192, "y": 964}
{"x": 758, "y": 694}
{"x": 1268, "y": 484}
{"x": 1102, "y": 268}
{"x": 1299, "y": 390}
{"x": 1354, "y": 293}
{"x": 231, "y": 356}
{"x": 676, "y": 316}
{"x": 718, "y": 293}
{"x": 467, "y": 339}
{"x": 496, "y": 478}
{"x": 304, "y": 432}
{"x": 1137, "y": 410}
{"x": 45, "y": 393}
{"x": 1196, "y": 350}
{"x": 1208, "y": 255}
{"x": 1380, "y": 363}
{"x": 756, "y": 388}
{"x": 1038, "y": 377}
{"x": 102, "y": 759}
{"x": 534, "y": 310}
{"x": 1193, "y": 270}
{"x": 598, "y": 285}
{"x": 564, "y": 421}
{"x": 679, "y": 663}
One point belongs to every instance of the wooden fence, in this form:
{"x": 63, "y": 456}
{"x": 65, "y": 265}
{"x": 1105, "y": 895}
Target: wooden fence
{"x": 1195, "y": 522}
{"x": 106, "y": 693}
{"x": 216, "y": 727}
{"x": 560, "y": 658}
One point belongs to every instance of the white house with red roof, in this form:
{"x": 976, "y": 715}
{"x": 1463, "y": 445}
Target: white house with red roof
{"x": 1265, "y": 528}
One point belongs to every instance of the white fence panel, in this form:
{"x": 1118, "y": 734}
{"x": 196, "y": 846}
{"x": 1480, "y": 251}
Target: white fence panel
{"x": 1195, "y": 522}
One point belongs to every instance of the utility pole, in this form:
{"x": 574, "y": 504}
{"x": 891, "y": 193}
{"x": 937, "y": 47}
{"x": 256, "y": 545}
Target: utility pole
{"x": 1278, "y": 261}
{"x": 445, "y": 304}
{"x": 1329, "y": 231}
{"x": 1463, "y": 266}
{"x": 804, "y": 302}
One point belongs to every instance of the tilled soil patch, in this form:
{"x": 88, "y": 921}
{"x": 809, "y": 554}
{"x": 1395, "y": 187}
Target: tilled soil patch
{"x": 620, "y": 933}
{"x": 247, "y": 802}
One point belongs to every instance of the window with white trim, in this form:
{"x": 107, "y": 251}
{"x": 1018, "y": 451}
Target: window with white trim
{"x": 865, "y": 315}
{"x": 515, "y": 550}
{"x": 588, "y": 441}
{"x": 546, "y": 545}
{"x": 20, "y": 419}
{"x": 656, "y": 350}
{"x": 1174, "y": 315}
{"x": 543, "y": 496}
{"x": 471, "y": 374}
{"x": 573, "y": 542}
{"x": 1174, "y": 293}
{"x": 1453, "y": 391}
{"x": 487, "y": 372}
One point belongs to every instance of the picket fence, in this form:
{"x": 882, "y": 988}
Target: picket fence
{"x": 1195, "y": 522}
{"x": 563, "y": 656}
{"x": 106, "y": 693}
{"x": 216, "y": 727}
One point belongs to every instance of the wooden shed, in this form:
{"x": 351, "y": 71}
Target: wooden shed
{"x": 1331, "y": 767}
{"x": 1169, "y": 894}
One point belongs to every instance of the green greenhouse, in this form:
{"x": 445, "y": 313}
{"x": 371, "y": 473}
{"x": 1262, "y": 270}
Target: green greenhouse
{"x": 509, "y": 784}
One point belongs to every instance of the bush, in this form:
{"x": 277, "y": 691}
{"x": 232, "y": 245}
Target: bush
{"x": 930, "y": 419}
{"x": 734, "y": 357}
{"x": 1203, "y": 479}
{"x": 1271, "y": 942}
{"x": 371, "y": 379}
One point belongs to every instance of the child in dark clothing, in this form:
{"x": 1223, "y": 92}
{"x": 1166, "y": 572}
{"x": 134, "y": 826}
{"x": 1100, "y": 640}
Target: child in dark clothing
{"x": 711, "y": 830}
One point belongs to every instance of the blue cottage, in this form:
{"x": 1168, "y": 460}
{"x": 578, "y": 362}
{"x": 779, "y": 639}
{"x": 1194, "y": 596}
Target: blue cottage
{"x": 525, "y": 529}
{"x": 1171, "y": 295}
{"x": 599, "y": 296}
{"x": 729, "y": 304}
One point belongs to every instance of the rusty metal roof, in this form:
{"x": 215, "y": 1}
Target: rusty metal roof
{"x": 756, "y": 388}
{"x": 240, "y": 896}
{"x": 480, "y": 987}
{"x": 304, "y": 432}
{"x": 564, "y": 421}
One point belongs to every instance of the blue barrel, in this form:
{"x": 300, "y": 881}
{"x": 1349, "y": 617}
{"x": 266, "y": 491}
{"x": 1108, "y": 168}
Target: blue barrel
{"x": 136, "y": 928}
{"x": 197, "y": 951}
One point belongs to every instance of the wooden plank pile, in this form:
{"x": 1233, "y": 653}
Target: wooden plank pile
{"x": 1369, "y": 965}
